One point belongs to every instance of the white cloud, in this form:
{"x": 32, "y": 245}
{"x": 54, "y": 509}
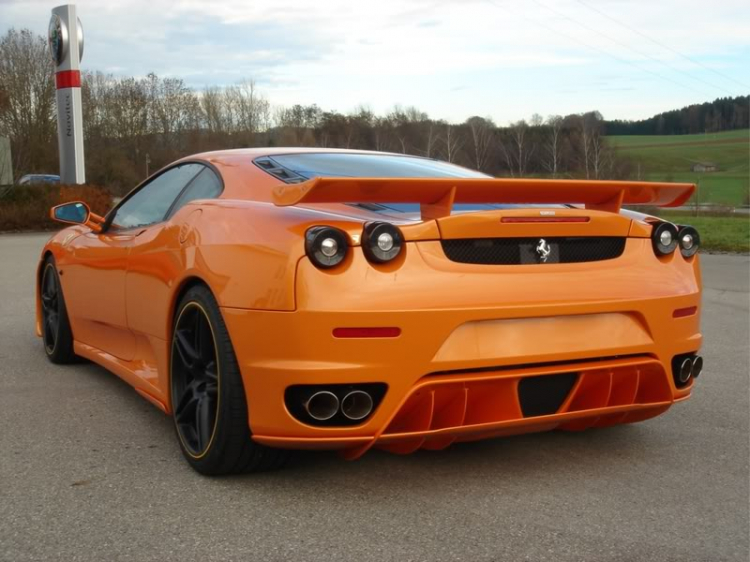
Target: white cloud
{"x": 453, "y": 58}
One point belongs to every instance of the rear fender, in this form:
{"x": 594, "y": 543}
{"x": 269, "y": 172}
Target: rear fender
{"x": 247, "y": 252}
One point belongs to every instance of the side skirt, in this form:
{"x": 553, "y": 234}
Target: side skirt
{"x": 126, "y": 370}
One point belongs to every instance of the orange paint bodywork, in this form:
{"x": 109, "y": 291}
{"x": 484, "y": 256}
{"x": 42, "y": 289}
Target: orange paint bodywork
{"x": 469, "y": 333}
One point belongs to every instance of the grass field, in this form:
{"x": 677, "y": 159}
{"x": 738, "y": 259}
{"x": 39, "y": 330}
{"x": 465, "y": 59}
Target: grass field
{"x": 669, "y": 157}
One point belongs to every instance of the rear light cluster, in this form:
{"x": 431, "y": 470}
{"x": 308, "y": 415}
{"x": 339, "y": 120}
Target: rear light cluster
{"x": 381, "y": 242}
{"x": 689, "y": 241}
{"x": 666, "y": 237}
{"x": 327, "y": 246}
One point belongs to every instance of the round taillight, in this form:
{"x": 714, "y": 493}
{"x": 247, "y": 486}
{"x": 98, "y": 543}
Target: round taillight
{"x": 689, "y": 241}
{"x": 381, "y": 242}
{"x": 326, "y": 246}
{"x": 664, "y": 238}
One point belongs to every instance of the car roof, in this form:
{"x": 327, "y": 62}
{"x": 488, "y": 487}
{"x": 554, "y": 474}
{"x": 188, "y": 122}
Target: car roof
{"x": 245, "y": 156}
{"x": 244, "y": 180}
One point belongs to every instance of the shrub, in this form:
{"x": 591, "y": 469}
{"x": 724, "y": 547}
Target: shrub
{"x": 27, "y": 207}
{"x": 98, "y": 198}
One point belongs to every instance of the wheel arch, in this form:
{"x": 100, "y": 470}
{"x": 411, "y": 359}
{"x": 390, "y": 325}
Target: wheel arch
{"x": 185, "y": 284}
{"x": 182, "y": 288}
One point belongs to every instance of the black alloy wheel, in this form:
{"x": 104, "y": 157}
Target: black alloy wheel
{"x": 195, "y": 376}
{"x": 207, "y": 393}
{"x": 50, "y": 304}
{"x": 56, "y": 332}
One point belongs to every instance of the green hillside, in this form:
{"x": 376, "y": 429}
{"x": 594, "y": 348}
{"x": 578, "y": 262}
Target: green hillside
{"x": 670, "y": 157}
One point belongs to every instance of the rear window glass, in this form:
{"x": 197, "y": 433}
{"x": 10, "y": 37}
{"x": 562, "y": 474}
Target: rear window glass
{"x": 353, "y": 165}
{"x": 293, "y": 168}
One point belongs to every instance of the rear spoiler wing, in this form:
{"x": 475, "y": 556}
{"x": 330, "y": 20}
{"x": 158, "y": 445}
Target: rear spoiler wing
{"x": 437, "y": 196}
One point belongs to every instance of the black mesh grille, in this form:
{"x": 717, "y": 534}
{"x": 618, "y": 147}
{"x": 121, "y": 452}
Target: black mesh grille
{"x": 514, "y": 251}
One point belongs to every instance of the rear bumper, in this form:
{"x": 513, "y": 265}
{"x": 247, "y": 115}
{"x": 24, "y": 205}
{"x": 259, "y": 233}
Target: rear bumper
{"x": 453, "y": 373}
{"x": 441, "y": 410}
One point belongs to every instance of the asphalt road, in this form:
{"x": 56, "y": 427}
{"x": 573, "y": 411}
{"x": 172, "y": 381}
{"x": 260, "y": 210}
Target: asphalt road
{"x": 90, "y": 471}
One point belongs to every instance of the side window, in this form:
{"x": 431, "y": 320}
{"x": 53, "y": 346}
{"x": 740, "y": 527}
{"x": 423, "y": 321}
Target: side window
{"x": 206, "y": 185}
{"x": 150, "y": 204}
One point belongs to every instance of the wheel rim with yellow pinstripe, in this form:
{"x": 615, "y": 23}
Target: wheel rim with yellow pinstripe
{"x": 195, "y": 379}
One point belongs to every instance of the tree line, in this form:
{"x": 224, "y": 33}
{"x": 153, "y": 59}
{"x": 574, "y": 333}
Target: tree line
{"x": 133, "y": 126}
{"x": 722, "y": 114}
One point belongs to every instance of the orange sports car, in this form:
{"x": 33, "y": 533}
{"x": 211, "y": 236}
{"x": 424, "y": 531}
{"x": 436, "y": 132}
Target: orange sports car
{"x": 278, "y": 299}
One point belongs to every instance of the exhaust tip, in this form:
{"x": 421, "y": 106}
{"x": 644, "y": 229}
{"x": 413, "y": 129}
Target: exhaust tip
{"x": 322, "y": 405}
{"x": 686, "y": 370}
{"x": 697, "y": 366}
{"x": 357, "y": 405}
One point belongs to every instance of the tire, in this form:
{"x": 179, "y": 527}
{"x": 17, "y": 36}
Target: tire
{"x": 56, "y": 333}
{"x": 209, "y": 407}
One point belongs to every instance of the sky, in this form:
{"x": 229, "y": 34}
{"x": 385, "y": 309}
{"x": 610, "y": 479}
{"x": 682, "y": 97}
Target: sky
{"x": 503, "y": 59}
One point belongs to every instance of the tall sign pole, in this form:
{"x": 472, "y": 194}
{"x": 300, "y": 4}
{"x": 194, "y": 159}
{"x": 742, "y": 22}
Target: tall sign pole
{"x": 66, "y": 46}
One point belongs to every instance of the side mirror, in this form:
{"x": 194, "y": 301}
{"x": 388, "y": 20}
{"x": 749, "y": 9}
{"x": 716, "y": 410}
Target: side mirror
{"x": 76, "y": 212}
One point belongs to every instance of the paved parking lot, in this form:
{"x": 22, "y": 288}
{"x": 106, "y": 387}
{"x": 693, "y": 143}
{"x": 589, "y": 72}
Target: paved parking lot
{"x": 90, "y": 471}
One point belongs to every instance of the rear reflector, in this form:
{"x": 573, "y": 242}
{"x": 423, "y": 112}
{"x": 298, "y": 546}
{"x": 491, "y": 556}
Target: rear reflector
{"x": 544, "y": 219}
{"x": 366, "y": 332}
{"x": 682, "y": 312}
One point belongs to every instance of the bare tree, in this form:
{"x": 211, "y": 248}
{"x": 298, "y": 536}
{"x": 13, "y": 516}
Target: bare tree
{"x": 171, "y": 110}
{"x": 553, "y": 145}
{"x": 405, "y": 124}
{"x": 362, "y": 120}
{"x": 212, "y": 104}
{"x": 297, "y": 124}
{"x": 6, "y": 165}
{"x": 432, "y": 138}
{"x": 516, "y": 148}
{"x": 597, "y": 154}
{"x": 128, "y": 108}
{"x": 351, "y": 130}
{"x": 246, "y": 107}
{"x": 381, "y": 131}
{"x": 401, "y": 141}
{"x": 453, "y": 142}
{"x": 585, "y": 142}
{"x": 503, "y": 140}
{"x": 27, "y": 115}
{"x": 480, "y": 130}
{"x": 591, "y": 143}
{"x": 536, "y": 120}
{"x": 523, "y": 152}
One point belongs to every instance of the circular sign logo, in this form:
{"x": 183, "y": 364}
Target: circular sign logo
{"x": 58, "y": 39}
{"x": 80, "y": 39}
